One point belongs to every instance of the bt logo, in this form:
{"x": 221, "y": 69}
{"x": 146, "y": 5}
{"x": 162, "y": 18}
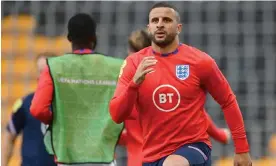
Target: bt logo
{"x": 166, "y": 98}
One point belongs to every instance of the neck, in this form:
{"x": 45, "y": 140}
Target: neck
{"x": 78, "y": 47}
{"x": 167, "y": 49}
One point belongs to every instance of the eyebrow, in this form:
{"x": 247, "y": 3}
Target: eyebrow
{"x": 165, "y": 17}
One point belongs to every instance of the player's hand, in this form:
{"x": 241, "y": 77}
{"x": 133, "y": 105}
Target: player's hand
{"x": 228, "y": 135}
{"x": 242, "y": 159}
{"x": 143, "y": 69}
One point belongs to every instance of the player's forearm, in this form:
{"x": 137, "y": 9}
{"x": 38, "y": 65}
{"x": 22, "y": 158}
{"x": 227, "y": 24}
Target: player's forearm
{"x": 42, "y": 114}
{"x": 235, "y": 122}
{"x": 122, "y": 105}
{"x": 7, "y": 148}
{"x": 40, "y": 107}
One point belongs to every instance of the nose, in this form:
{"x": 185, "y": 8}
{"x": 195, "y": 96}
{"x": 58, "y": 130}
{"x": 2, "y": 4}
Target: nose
{"x": 160, "y": 24}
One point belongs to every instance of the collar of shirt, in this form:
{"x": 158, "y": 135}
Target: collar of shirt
{"x": 83, "y": 51}
{"x": 167, "y": 54}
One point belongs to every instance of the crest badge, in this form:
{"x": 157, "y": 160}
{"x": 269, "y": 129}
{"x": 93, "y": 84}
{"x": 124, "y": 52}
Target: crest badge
{"x": 182, "y": 72}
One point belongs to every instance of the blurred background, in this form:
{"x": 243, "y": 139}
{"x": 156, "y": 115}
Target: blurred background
{"x": 240, "y": 36}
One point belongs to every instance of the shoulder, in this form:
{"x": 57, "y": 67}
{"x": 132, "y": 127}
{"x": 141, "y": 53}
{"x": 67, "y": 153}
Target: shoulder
{"x": 137, "y": 57}
{"x": 199, "y": 56}
{"x": 57, "y": 59}
{"x": 116, "y": 64}
{"x": 113, "y": 60}
{"x": 28, "y": 98}
{"x": 22, "y": 102}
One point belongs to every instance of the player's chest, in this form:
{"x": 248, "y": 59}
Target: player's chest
{"x": 172, "y": 80}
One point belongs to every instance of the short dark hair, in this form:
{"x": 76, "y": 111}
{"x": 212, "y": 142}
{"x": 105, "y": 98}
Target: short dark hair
{"x": 138, "y": 40}
{"x": 166, "y": 5}
{"x": 82, "y": 29}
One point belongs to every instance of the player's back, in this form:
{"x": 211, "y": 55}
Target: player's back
{"x": 101, "y": 70}
{"x": 83, "y": 85}
{"x": 171, "y": 101}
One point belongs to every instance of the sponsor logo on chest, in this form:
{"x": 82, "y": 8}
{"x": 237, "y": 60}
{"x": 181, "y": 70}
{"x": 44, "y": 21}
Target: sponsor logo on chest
{"x": 166, "y": 98}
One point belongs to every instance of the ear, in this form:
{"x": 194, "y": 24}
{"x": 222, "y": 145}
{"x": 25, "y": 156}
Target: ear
{"x": 148, "y": 28}
{"x": 179, "y": 28}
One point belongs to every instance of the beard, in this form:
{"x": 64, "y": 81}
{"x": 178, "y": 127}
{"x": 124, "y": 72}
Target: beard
{"x": 169, "y": 38}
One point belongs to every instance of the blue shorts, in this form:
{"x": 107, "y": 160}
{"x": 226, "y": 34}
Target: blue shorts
{"x": 198, "y": 154}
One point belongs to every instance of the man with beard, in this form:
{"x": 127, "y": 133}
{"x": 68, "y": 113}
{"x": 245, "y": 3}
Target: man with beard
{"x": 167, "y": 83}
{"x": 132, "y": 137}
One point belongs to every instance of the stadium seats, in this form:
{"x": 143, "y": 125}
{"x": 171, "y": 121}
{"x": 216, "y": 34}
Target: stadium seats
{"x": 61, "y": 45}
{"x": 42, "y": 44}
{"x": 266, "y": 161}
{"x": 10, "y": 92}
{"x": 6, "y": 44}
{"x": 18, "y": 54}
{"x": 16, "y": 45}
{"x": 24, "y": 45}
{"x": 225, "y": 161}
{"x": 18, "y": 38}
{"x": 18, "y": 66}
{"x": 20, "y": 24}
{"x": 269, "y": 160}
{"x": 272, "y": 146}
{"x": 228, "y": 161}
{"x": 240, "y": 36}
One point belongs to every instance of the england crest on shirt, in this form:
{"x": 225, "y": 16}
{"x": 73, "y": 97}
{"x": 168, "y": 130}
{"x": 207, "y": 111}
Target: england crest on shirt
{"x": 182, "y": 71}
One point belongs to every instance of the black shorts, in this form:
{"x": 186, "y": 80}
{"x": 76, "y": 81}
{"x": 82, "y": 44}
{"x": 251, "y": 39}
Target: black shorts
{"x": 198, "y": 154}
